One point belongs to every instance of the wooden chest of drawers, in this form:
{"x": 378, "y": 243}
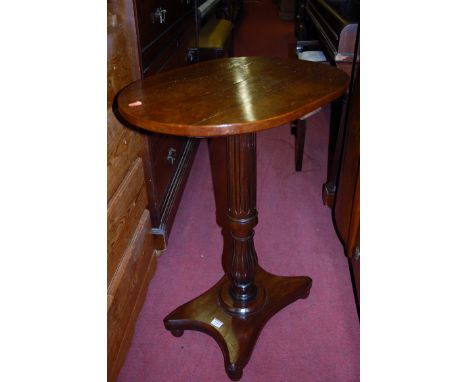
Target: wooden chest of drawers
{"x": 165, "y": 28}
{"x": 146, "y": 174}
{"x": 160, "y": 22}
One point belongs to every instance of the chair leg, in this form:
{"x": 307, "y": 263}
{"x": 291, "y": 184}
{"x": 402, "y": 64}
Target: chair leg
{"x": 299, "y": 142}
{"x": 293, "y": 127}
{"x": 335, "y": 149}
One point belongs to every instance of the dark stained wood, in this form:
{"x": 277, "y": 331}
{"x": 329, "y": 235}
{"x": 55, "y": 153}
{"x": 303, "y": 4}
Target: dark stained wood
{"x": 238, "y": 97}
{"x": 347, "y": 207}
{"x": 334, "y": 26}
{"x": 175, "y": 162}
{"x": 299, "y": 132}
{"x": 338, "y": 126}
{"x": 335, "y": 141}
{"x": 247, "y": 296}
{"x": 242, "y": 295}
{"x": 169, "y": 50}
{"x": 156, "y": 30}
{"x": 230, "y": 96}
{"x": 239, "y": 333}
{"x": 167, "y": 159}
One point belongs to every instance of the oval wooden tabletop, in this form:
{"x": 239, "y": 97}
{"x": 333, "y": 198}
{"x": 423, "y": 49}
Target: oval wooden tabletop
{"x": 229, "y": 96}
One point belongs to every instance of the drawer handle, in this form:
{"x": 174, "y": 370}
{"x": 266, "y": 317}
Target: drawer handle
{"x": 171, "y": 155}
{"x": 158, "y": 13}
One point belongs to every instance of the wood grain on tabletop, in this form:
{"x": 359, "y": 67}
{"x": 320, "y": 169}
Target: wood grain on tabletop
{"x": 229, "y": 96}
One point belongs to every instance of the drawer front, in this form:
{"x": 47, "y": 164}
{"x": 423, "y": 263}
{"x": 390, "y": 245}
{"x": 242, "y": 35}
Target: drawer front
{"x": 154, "y": 61}
{"x": 123, "y": 211}
{"x": 156, "y": 17}
{"x": 167, "y": 151}
{"x": 128, "y": 284}
{"x": 179, "y": 57}
{"x": 150, "y": 23}
{"x": 154, "y": 55}
{"x": 174, "y": 54}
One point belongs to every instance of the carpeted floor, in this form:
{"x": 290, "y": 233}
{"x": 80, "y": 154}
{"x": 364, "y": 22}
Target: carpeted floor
{"x": 314, "y": 340}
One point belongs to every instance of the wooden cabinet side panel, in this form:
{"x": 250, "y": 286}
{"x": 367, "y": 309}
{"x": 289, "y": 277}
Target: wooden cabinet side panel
{"x": 119, "y": 359}
{"x": 123, "y": 147}
{"x": 126, "y": 292}
{"x": 346, "y": 209}
{"x": 123, "y": 213}
{"x": 122, "y": 47}
{"x": 131, "y": 262}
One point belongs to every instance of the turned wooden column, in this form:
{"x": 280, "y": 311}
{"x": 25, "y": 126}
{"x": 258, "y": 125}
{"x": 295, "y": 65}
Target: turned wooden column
{"x": 243, "y": 296}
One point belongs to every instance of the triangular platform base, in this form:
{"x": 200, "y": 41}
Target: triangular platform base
{"x": 235, "y": 334}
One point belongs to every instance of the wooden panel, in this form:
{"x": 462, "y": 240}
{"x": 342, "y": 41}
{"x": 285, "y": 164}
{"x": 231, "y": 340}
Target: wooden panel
{"x": 127, "y": 291}
{"x": 123, "y": 213}
{"x": 122, "y": 47}
{"x": 126, "y": 340}
{"x": 123, "y": 146}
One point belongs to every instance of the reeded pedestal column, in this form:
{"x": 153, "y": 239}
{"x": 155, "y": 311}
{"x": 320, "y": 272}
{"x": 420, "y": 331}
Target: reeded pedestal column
{"x": 242, "y": 295}
{"x": 234, "y": 311}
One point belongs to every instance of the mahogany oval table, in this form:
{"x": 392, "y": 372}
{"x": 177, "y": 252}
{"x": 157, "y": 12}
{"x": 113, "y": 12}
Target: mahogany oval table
{"x": 234, "y": 97}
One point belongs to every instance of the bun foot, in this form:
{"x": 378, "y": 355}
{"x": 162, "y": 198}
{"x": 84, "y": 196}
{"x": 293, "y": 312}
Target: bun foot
{"x": 234, "y": 373}
{"x": 177, "y": 332}
{"x": 307, "y": 292}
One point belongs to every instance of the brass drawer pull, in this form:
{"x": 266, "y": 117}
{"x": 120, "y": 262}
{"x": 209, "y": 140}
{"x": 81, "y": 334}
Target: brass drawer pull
{"x": 171, "y": 155}
{"x": 160, "y": 14}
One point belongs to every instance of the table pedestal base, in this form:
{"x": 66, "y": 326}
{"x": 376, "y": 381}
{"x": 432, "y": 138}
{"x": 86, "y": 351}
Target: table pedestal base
{"x": 236, "y": 334}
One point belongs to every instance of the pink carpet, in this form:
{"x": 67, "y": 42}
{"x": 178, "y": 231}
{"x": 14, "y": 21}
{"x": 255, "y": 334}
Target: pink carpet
{"x": 316, "y": 339}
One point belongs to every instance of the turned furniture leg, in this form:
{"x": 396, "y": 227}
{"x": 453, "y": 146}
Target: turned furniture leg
{"x": 334, "y": 151}
{"x": 242, "y": 296}
{"x": 292, "y": 127}
{"x": 299, "y": 143}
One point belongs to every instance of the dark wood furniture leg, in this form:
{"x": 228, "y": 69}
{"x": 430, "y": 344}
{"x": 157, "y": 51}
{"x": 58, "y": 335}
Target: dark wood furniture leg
{"x": 334, "y": 152}
{"x": 300, "y": 126}
{"x": 237, "y": 307}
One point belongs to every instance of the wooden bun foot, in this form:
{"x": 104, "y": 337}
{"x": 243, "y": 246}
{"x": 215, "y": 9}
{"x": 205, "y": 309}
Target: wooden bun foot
{"x": 177, "y": 333}
{"x": 234, "y": 373}
{"x": 306, "y": 294}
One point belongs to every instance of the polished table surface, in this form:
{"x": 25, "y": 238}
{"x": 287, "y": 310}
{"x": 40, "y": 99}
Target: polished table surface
{"x": 236, "y": 98}
{"x": 230, "y": 96}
